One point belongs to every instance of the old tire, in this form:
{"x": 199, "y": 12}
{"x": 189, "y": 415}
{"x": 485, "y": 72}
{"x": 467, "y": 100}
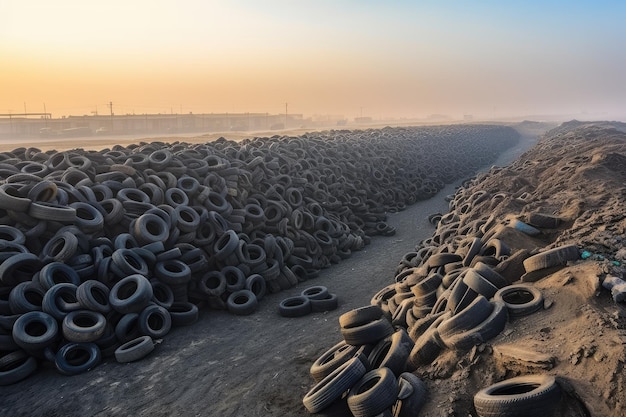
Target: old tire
{"x": 529, "y": 395}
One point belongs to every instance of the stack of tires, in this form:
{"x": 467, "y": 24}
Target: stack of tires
{"x": 105, "y": 251}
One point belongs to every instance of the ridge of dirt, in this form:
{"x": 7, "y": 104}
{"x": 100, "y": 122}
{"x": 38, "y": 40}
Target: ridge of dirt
{"x": 576, "y": 172}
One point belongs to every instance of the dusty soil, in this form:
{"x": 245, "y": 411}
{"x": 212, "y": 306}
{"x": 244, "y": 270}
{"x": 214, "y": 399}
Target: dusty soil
{"x": 227, "y": 365}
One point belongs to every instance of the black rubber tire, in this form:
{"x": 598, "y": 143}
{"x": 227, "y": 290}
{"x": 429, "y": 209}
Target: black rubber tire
{"x": 129, "y": 262}
{"x": 57, "y": 273}
{"x": 361, "y": 315}
{"x": 544, "y": 221}
{"x": 441, "y": 259}
{"x": 331, "y": 360}
{"x": 329, "y": 389}
{"x": 490, "y": 275}
{"x": 426, "y": 349}
{"x": 183, "y": 313}
{"x": 296, "y": 306}
{"x": 329, "y": 303}
{"x": 487, "y": 330}
{"x": 256, "y": 284}
{"x": 172, "y": 272}
{"x": 76, "y": 358}
{"x": 375, "y": 392}
{"x": 235, "y": 278}
{"x": 134, "y": 350}
{"x": 16, "y": 366}
{"x": 27, "y": 331}
{"x": 213, "y": 284}
{"x": 392, "y": 352}
{"x": 551, "y": 258}
{"x": 468, "y": 318}
{"x": 528, "y": 395}
{"x": 83, "y": 326}
{"x": 162, "y": 294}
{"x": 479, "y": 284}
{"x": 25, "y": 297}
{"x": 131, "y": 294}
{"x": 150, "y": 228}
{"x": 52, "y": 212}
{"x": 368, "y": 333}
{"x": 520, "y": 300}
{"x": 19, "y": 268}
{"x": 242, "y": 303}
{"x": 412, "y": 395}
{"x": 318, "y": 292}
{"x": 154, "y": 321}
{"x": 93, "y": 295}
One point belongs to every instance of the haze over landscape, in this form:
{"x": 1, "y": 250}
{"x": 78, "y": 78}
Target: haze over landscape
{"x": 371, "y": 58}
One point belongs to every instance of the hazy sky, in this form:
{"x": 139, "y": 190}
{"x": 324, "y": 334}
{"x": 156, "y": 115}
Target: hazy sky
{"x": 381, "y": 58}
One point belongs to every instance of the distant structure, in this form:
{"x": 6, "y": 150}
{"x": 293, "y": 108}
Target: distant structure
{"x": 26, "y": 125}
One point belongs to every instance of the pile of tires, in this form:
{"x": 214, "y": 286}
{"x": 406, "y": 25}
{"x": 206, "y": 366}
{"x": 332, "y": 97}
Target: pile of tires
{"x": 457, "y": 290}
{"x": 369, "y": 365}
{"x": 102, "y": 252}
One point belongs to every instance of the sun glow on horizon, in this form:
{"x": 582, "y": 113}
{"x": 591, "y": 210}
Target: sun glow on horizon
{"x": 395, "y": 59}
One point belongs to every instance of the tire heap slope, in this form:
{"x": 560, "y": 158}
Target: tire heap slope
{"x": 505, "y": 309}
{"x": 102, "y": 252}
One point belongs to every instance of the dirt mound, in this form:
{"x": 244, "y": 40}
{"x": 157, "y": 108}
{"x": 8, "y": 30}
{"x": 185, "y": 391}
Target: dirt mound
{"x": 575, "y": 177}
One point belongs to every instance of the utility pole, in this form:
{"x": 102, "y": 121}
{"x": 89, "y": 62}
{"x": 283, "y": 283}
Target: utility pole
{"x": 111, "y": 110}
{"x": 25, "y": 109}
{"x": 45, "y": 115}
{"x": 286, "y": 115}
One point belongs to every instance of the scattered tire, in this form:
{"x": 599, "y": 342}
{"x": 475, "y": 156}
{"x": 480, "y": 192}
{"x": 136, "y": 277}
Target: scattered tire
{"x": 296, "y": 306}
{"x": 134, "y": 350}
{"x": 242, "y": 303}
{"x": 375, "y": 392}
{"x": 76, "y": 358}
{"x": 520, "y": 300}
{"x": 325, "y": 392}
{"x": 519, "y": 397}
{"x": 551, "y": 258}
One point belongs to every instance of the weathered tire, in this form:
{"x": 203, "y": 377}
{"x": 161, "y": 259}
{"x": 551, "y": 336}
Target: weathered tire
{"x": 318, "y": 292}
{"x": 412, "y": 395}
{"x": 392, "y": 352}
{"x": 83, "y": 326}
{"x": 551, "y": 258}
{"x": 529, "y": 395}
{"x": 331, "y": 360}
{"x": 35, "y": 330}
{"x": 325, "y": 392}
{"x": 154, "y": 321}
{"x": 487, "y": 330}
{"x": 520, "y": 299}
{"x": 296, "y": 306}
{"x": 361, "y": 315}
{"x": 256, "y": 283}
{"x": 183, "y": 313}
{"x": 134, "y": 350}
{"x": 25, "y": 297}
{"x": 57, "y": 273}
{"x": 76, "y": 358}
{"x": 172, "y": 272}
{"x": 131, "y": 294}
{"x": 479, "y": 284}
{"x": 93, "y": 295}
{"x": 375, "y": 392}
{"x": 331, "y": 302}
{"x": 242, "y": 303}
{"x": 466, "y": 319}
{"x": 367, "y": 333}
{"x": 16, "y": 366}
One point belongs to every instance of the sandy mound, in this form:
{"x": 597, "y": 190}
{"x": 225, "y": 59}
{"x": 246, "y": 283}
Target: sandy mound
{"x": 577, "y": 174}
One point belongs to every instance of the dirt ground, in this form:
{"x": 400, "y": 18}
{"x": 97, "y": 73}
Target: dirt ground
{"x": 227, "y": 365}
